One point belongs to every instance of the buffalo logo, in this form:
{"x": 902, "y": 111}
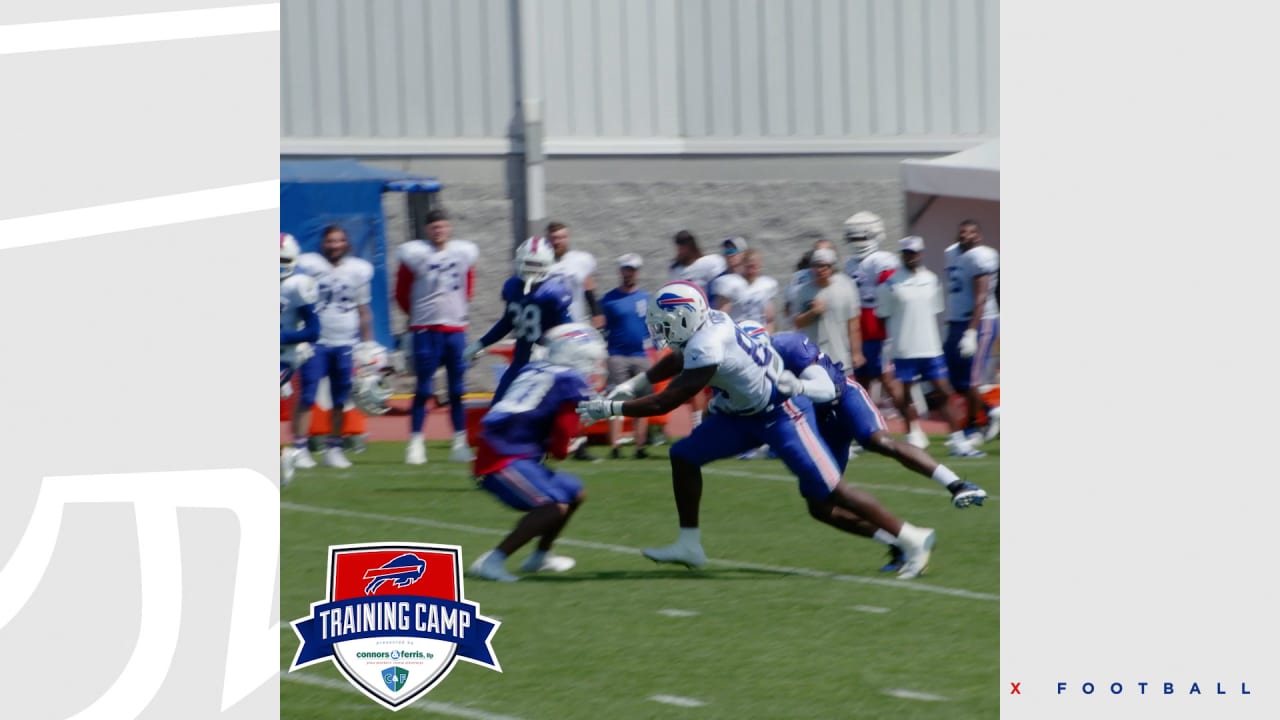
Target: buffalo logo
{"x": 394, "y": 620}
{"x": 671, "y": 301}
{"x": 403, "y": 571}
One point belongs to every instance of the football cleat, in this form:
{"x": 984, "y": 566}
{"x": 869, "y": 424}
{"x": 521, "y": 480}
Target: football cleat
{"x": 918, "y": 439}
{"x": 461, "y": 452}
{"x": 964, "y": 494}
{"x": 917, "y": 545}
{"x": 415, "y": 453}
{"x": 691, "y": 556}
{"x": 286, "y": 466}
{"x": 302, "y": 459}
{"x": 335, "y": 458}
{"x": 895, "y": 560}
{"x": 490, "y": 568}
{"x": 993, "y": 424}
{"x": 547, "y": 562}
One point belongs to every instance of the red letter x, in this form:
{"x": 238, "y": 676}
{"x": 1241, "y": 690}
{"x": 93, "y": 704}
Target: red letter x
{"x": 1015, "y": 690}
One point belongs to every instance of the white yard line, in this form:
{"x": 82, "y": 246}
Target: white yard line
{"x": 421, "y": 705}
{"x": 625, "y": 550}
{"x": 869, "y": 609}
{"x": 672, "y": 612}
{"x": 913, "y": 695}
{"x": 677, "y": 700}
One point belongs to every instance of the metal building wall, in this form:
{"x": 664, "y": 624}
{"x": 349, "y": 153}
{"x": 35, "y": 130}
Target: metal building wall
{"x": 641, "y": 76}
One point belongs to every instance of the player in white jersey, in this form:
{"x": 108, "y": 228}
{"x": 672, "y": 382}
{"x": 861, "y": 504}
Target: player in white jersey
{"x": 870, "y": 266}
{"x": 434, "y": 287}
{"x": 752, "y": 406}
{"x": 973, "y": 278}
{"x": 345, "y": 320}
{"x": 299, "y": 328}
{"x": 911, "y": 300}
{"x": 577, "y": 270}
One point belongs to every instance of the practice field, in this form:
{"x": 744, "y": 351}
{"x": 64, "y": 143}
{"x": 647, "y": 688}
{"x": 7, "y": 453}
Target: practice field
{"x": 790, "y": 618}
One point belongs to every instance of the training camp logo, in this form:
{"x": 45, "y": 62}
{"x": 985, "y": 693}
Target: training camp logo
{"x": 394, "y": 620}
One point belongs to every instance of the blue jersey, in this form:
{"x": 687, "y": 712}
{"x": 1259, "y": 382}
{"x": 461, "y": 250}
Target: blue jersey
{"x": 798, "y": 352}
{"x": 529, "y": 316}
{"x": 624, "y": 321}
{"x": 521, "y": 423}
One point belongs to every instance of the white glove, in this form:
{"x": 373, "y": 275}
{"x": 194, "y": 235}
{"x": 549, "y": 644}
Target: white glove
{"x": 302, "y": 352}
{"x": 790, "y": 385}
{"x": 473, "y": 351}
{"x": 598, "y": 409}
{"x": 635, "y": 387}
{"x": 969, "y": 343}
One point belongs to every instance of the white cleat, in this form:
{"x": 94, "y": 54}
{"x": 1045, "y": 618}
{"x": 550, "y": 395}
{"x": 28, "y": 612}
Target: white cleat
{"x": 335, "y": 458}
{"x": 286, "y": 467}
{"x": 916, "y": 546}
{"x": 547, "y": 563}
{"x": 691, "y": 556}
{"x": 487, "y": 567}
{"x": 302, "y": 459}
{"x": 993, "y": 424}
{"x": 461, "y": 452}
{"x": 416, "y": 452}
{"x": 918, "y": 439}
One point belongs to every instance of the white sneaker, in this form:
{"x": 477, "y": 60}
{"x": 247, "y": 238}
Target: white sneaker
{"x": 962, "y": 448}
{"x": 691, "y": 556}
{"x": 286, "y": 466}
{"x": 335, "y": 458}
{"x": 488, "y": 567}
{"x": 917, "y": 545}
{"x": 993, "y": 424}
{"x": 416, "y": 452}
{"x": 302, "y": 459}
{"x": 918, "y": 439}
{"x": 548, "y": 562}
{"x": 461, "y": 452}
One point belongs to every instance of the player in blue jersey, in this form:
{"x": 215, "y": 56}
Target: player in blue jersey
{"x": 535, "y": 303}
{"x": 299, "y": 327}
{"x": 752, "y": 405}
{"x": 538, "y": 416}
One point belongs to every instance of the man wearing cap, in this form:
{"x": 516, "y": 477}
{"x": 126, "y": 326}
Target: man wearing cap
{"x": 829, "y": 311}
{"x": 624, "y": 309}
{"x": 911, "y": 301}
{"x": 723, "y": 290}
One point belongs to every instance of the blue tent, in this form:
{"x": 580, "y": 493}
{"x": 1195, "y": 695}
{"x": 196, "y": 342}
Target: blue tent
{"x": 317, "y": 193}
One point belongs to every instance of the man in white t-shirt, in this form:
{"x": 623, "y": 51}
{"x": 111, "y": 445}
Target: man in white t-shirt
{"x": 800, "y": 278}
{"x": 434, "y": 287}
{"x": 911, "y": 301}
{"x": 577, "y": 269}
{"x": 829, "y": 311}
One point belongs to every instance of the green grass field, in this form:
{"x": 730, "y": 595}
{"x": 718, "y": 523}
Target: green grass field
{"x": 791, "y": 618}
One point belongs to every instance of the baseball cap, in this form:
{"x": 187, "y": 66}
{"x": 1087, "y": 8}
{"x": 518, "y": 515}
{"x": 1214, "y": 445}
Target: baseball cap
{"x": 914, "y": 243}
{"x": 823, "y": 256}
{"x": 734, "y": 245}
{"x": 630, "y": 260}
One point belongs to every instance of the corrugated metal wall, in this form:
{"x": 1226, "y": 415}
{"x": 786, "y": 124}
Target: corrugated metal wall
{"x": 621, "y": 74}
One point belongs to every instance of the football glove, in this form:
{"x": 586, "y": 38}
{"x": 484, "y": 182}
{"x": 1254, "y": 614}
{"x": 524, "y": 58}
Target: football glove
{"x": 790, "y": 385}
{"x": 302, "y": 352}
{"x": 969, "y": 343}
{"x": 598, "y": 409}
{"x": 473, "y": 351}
{"x": 633, "y": 388}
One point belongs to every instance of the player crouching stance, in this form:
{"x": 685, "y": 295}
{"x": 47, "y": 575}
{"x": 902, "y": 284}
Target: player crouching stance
{"x": 536, "y": 416}
{"x": 750, "y": 408}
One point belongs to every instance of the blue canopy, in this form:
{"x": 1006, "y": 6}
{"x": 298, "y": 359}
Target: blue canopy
{"x": 317, "y": 193}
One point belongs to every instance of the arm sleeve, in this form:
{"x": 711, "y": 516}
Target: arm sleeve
{"x": 817, "y": 384}
{"x": 565, "y": 429}
{"x": 498, "y": 331}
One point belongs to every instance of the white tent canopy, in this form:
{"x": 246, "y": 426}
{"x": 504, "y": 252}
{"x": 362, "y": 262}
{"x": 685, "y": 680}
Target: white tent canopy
{"x": 972, "y": 173}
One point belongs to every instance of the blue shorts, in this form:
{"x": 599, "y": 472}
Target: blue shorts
{"x": 912, "y": 369}
{"x": 333, "y": 362}
{"x": 876, "y": 365}
{"x": 527, "y": 484}
{"x": 967, "y": 372}
{"x": 850, "y": 418}
{"x": 789, "y": 429}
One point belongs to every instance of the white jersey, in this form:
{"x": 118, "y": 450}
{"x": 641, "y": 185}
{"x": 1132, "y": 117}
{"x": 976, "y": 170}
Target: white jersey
{"x": 830, "y": 332}
{"x": 701, "y": 272}
{"x": 911, "y": 302}
{"x": 574, "y": 267}
{"x": 870, "y": 272}
{"x": 296, "y": 292}
{"x": 343, "y": 288}
{"x": 749, "y": 299}
{"x": 439, "y": 294}
{"x": 962, "y": 270}
{"x": 747, "y": 371}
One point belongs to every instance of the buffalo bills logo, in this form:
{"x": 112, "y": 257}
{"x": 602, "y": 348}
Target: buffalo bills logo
{"x": 403, "y": 571}
{"x": 671, "y": 301}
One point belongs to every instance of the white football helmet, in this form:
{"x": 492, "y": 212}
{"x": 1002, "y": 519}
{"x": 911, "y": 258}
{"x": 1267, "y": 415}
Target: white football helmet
{"x": 578, "y": 346}
{"x": 676, "y": 312}
{"x": 371, "y": 392}
{"x": 369, "y": 358}
{"x": 864, "y": 231}
{"x": 289, "y": 252}
{"x": 756, "y": 330}
{"x": 534, "y": 259}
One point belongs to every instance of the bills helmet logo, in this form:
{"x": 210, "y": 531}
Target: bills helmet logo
{"x": 671, "y": 301}
{"x": 402, "y": 571}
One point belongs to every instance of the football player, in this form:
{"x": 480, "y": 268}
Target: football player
{"x": 752, "y": 405}
{"x": 537, "y": 416}
{"x": 973, "y": 321}
{"x": 535, "y": 303}
{"x": 576, "y": 269}
{"x": 299, "y": 327}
